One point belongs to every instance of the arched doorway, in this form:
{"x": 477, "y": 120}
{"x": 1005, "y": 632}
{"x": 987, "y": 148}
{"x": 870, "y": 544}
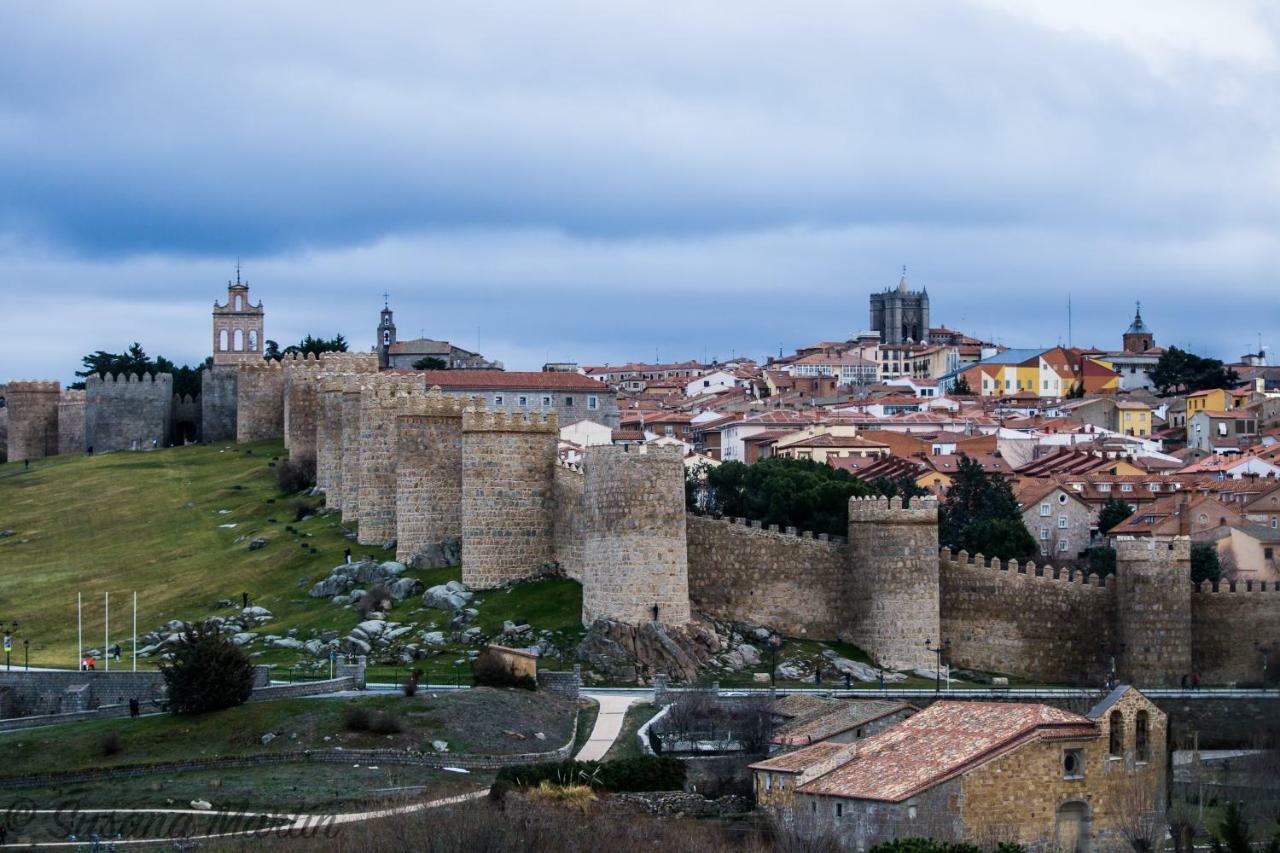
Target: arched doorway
{"x": 1072, "y": 829}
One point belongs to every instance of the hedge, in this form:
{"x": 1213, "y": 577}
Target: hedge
{"x": 642, "y": 773}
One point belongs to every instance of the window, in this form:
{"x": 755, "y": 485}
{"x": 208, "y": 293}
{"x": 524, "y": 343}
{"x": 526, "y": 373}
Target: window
{"x": 1062, "y": 546}
{"x": 1044, "y": 533}
{"x": 386, "y": 338}
{"x": 238, "y": 340}
{"x": 1062, "y": 499}
{"x": 568, "y": 402}
{"x": 1126, "y": 487}
{"x": 1274, "y": 520}
{"x": 1116, "y": 744}
{"x": 1141, "y": 738}
{"x": 1045, "y": 509}
{"x": 1104, "y": 487}
{"x": 593, "y": 403}
{"x": 1268, "y": 554}
{"x": 768, "y": 782}
{"x": 1073, "y": 764}
{"x": 1155, "y": 487}
{"x": 782, "y": 783}
{"x": 839, "y": 809}
{"x": 497, "y": 399}
{"x": 524, "y": 401}
{"x": 546, "y": 401}
{"x": 1062, "y": 522}
{"x": 222, "y": 340}
{"x": 668, "y": 430}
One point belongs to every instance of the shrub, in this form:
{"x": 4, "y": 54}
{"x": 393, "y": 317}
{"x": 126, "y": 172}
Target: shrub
{"x": 643, "y": 773}
{"x": 208, "y": 672}
{"x": 301, "y": 510}
{"x": 295, "y": 475}
{"x": 579, "y": 797}
{"x": 357, "y": 718}
{"x": 110, "y": 744}
{"x": 490, "y": 669}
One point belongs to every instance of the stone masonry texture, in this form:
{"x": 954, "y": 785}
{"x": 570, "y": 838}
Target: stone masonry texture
{"x": 259, "y": 401}
{"x": 428, "y": 474}
{"x": 380, "y": 404}
{"x": 891, "y": 588}
{"x": 633, "y": 531}
{"x": 301, "y": 378}
{"x": 218, "y": 403}
{"x": 507, "y": 464}
{"x": 128, "y": 412}
{"x": 71, "y": 412}
{"x": 33, "y": 419}
{"x": 1155, "y": 600}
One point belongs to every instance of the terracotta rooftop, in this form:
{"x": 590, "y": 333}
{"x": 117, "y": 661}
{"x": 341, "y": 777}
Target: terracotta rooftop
{"x": 845, "y": 715}
{"x": 800, "y": 759}
{"x": 940, "y": 743}
{"x": 501, "y": 379}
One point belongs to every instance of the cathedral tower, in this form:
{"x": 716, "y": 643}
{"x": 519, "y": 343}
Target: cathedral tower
{"x": 901, "y": 314}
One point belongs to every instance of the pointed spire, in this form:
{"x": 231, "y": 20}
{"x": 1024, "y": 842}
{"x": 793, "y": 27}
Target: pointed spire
{"x": 902, "y": 282}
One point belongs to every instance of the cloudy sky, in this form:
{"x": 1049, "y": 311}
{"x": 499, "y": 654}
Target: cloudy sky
{"x": 602, "y": 182}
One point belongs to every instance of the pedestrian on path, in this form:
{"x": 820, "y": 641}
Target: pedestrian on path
{"x": 115, "y": 652}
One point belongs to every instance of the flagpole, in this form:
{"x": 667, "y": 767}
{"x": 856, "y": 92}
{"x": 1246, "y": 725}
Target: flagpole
{"x": 79, "y": 634}
{"x": 135, "y": 630}
{"x": 106, "y": 631}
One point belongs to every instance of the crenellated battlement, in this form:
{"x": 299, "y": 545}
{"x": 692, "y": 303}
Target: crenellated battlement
{"x": 477, "y": 419}
{"x": 389, "y": 391}
{"x": 1048, "y": 572}
{"x": 436, "y": 403}
{"x": 755, "y": 525}
{"x": 1152, "y": 549}
{"x": 72, "y": 395}
{"x": 265, "y": 365}
{"x": 1235, "y": 587}
{"x": 33, "y": 386}
{"x": 96, "y": 379}
{"x": 350, "y": 362}
{"x": 892, "y": 510}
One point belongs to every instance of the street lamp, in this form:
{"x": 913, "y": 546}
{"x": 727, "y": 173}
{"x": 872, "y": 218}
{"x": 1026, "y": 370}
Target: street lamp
{"x": 939, "y": 650}
{"x": 26, "y": 654}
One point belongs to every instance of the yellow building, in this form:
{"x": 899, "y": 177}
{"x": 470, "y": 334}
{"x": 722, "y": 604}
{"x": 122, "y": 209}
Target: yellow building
{"x": 1217, "y": 400}
{"x": 1134, "y": 417}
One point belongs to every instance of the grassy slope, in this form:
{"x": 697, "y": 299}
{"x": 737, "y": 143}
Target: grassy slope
{"x": 483, "y": 721}
{"x": 150, "y": 522}
{"x": 626, "y": 745}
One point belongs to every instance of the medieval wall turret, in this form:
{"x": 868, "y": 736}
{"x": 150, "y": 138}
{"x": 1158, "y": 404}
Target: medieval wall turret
{"x": 892, "y": 593}
{"x": 33, "y": 419}
{"x": 429, "y": 478}
{"x": 1153, "y": 609}
{"x": 507, "y": 464}
{"x": 635, "y": 558}
{"x": 71, "y": 415}
{"x": 128, "y": 411}
{"x": 259, "y": 401}
{"x": 385, "y": 398}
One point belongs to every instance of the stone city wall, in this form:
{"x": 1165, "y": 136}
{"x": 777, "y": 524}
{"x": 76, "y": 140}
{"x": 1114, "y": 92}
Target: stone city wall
{"x": 33, "y": 418}
{"x": 4, "y": 434}
{"x": 567, "y": 485}
{"x": 329, "y": 439}
{"x": 429, "y": 478}
{"x": 347, "y": 471}
{"x": 128, "y": 411}
{"x": 507, "y": 464}
{"x": 891, "y": 592}
{"x": 381, "y": 403}
{"x": 71, "y": 421}
{"x": 185, "y": 420}
{"x": 635, "y": 556}
{"x": 1232, "y": 625}
{"x": 218, "y": 400}
{"x": 1040, "y": 622}
{"x": 790, "y": 581}
{"x": 259, "y": 401}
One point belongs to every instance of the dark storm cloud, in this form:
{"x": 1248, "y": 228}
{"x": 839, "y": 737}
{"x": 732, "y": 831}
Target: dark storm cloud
{"x": 593, "y": 181}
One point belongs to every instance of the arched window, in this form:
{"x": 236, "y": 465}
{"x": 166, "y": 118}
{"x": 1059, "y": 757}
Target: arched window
{"x": 239, "y": 303}
{"x": 222, "y": 340}
{"x": 253, "y": 340}
{"x": 239, "y": 340}
{"x": 1142, "y": 737}
{"x": 1117, "y": 733}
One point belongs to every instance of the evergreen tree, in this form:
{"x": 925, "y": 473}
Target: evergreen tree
{"x": 980, "y": 515}
{"x": 208, "y": 672}
{"x": 1205, "y": 565}
{"x": 1233, "y": 834}
{"x": 1179, "y": 370}
{"x": 1112, "y": 513}
{"x": 134, "y": 360}
{"x": 961, "y": 386}
{"x": 430, "y": 362}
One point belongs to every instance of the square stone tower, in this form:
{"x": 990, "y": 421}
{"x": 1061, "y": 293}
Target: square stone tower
{"x": 237, "y": 326}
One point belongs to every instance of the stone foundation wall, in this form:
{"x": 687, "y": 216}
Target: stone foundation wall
{"x": 567, "y": 485}
{"x": 429, "y": 475}
{"x": 128, "y": 412}
{"x": 218, "y": 400}
{"x": 259, "y": 401}
{"x": 71, "y": 415}
{"x": 507, "y": 464}
{"x": 33, "y": 419}
{"x": 635, "y": 556}
{"x": 787, "y": 580}
{"x": 1226, "y": 620}
{"x": 381, "y": 403}
{"x": 891, "y": 590}
{"x": 62, "y": 691}
{"x": 1039, "y": 622}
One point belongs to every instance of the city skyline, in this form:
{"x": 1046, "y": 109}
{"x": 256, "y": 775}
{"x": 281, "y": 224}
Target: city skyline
{"x": 596, "y": 185}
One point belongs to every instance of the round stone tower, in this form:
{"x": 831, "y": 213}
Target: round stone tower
{"x": 891, "y": 585}
{"x": 635, "y": 556}
{"x": 1153, "y": 609}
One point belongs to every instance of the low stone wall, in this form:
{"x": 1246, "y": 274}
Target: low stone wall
{"x": 745, "y": 573}
{"x": 567, "y": 684}
{"x": 54, "y": 692}
{"x": 304, "y": 688}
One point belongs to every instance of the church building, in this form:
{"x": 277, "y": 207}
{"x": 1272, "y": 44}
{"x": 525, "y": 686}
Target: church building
{"x": 901, "y": 314}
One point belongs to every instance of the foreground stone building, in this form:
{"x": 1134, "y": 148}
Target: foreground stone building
{"x": 983, "y": 772}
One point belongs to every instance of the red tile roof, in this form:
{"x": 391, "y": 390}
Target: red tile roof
{"x": 502, "y": 379}
{"x": 940, "y": 743}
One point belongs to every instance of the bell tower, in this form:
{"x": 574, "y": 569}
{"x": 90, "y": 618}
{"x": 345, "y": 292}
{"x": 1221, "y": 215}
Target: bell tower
{"x": 386, "y": 335}
{"x": 237, "y": 326}
{"x": 1138, "y": 338}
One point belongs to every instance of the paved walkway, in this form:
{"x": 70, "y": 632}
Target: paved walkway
{"x": 613, "y": 709}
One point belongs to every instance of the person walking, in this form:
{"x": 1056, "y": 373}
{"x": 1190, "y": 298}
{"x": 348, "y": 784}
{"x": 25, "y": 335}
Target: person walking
{"x": 91, "y": 662}
{"x": 1195, "y": 681}
{"x": 347, "y": 554}
{"x": 115, "y": 652}
{"x": 134, "y": 710}
{"x": 244, "y": 600}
